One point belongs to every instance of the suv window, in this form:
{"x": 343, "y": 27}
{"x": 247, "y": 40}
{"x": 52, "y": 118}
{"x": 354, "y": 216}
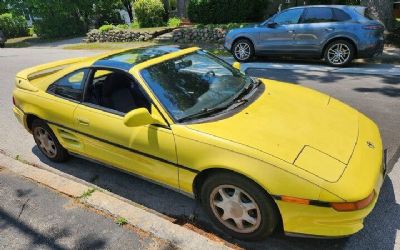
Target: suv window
{"x": 318, "y": 15}
{"x": 71, "y": 85}
{"x": 340, "y": 15}
{"x": 289, "y": 17}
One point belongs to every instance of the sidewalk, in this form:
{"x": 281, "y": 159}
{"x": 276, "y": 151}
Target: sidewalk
{"x": 33, "y": 216}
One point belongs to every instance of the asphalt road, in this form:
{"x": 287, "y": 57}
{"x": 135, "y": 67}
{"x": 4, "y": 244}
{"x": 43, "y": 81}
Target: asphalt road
{"x": 378, "y": 97}
{"x": 35, "y": 217}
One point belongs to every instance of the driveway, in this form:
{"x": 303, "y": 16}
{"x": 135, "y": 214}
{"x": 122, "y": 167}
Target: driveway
{"x": 377, "y": 96}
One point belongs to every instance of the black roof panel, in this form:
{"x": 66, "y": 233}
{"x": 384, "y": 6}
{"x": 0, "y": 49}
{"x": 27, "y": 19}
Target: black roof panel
{"x": 127, "y": 59}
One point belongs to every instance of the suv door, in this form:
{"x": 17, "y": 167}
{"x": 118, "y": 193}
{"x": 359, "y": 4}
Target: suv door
{"x": 318, "y": 24}
{"x": 277, "y": 35}
{"x": 148, "y": 150}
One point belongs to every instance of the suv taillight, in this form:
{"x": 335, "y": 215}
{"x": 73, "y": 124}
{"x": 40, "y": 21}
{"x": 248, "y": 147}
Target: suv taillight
{"x": 372, "y": 27}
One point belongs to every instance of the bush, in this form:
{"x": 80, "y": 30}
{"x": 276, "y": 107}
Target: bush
{"x": 59, "y": 26}
{"x": 149, "y": 13}
{"x": 226, "y": 11}
{"x": 174, "y": 22}
{"x": 13, "y": 25}
{"x": 106, "y": 27}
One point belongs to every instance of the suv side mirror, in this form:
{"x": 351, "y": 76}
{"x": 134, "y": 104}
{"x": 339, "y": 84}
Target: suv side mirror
{"x": 139, "y": 117}
{"x": 272, "y": 25}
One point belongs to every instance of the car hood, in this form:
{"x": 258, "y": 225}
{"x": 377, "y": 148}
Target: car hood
{"x": 295, "y": 124}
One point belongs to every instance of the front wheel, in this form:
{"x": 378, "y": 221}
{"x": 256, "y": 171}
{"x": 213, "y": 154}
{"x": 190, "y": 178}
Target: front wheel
{"x": 239, "y": 207}
{"x": 243, "y": 50}
{"x": 339, "y": 53}
{"x": 47, "y": 142}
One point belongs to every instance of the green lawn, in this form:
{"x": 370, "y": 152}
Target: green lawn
{"x": 22, "y": 42}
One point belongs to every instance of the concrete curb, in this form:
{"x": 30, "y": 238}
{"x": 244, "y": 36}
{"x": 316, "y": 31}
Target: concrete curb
{"x": 366, "y": 69}
{"x": 162, "y": 228}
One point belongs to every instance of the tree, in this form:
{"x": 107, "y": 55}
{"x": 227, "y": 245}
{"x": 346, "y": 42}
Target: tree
{"x": 182, "y": 8}
{"x": 128, "y": 7}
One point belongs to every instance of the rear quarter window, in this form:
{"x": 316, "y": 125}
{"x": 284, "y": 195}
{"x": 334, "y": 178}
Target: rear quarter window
{"x": 340, "y": 15}
{"x": 318, "y": 15}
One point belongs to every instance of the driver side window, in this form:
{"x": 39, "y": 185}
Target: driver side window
{"x": 114, "y": 91}
{"x": 289, "y": 17}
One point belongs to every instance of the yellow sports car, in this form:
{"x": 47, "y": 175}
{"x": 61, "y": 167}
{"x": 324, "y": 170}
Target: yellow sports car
{"x": 259, "y": 154}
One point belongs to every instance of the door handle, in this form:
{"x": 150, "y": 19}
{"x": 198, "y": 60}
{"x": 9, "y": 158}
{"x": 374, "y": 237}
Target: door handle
{"x": 291, "y": 31}
{"x": 83, "y": 121}
{"x": 330, "y": 29}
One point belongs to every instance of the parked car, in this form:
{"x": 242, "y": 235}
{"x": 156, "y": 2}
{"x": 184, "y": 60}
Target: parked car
{"x": 2, "y": 39}
{"x": 258, "y": 154}
{"x": 333, "y": 32}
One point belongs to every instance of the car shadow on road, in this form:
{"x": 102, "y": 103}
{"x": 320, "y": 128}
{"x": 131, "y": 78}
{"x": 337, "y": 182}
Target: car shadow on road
{"x": 185, "y": 211}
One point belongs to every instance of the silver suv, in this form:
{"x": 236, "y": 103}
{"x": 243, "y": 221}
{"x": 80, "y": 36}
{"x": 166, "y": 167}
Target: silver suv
{"x": 337, "y": 33}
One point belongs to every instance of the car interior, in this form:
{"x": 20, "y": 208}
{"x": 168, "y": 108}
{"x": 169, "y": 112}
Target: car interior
{"x": 116, "y": 91}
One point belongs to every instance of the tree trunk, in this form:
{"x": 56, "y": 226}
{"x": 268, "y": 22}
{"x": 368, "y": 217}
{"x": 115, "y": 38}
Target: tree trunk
{"x": 382, "y": 10}
{"x": 166, "y": 8}
{"x": 182, "y": 8}
{"x": 128, "y": 7}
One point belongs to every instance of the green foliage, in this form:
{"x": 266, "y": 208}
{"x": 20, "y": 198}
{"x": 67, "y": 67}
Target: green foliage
{"x": 13, "y": 25}
{"x": 87, "y": 193}
{"x": 106, "y": 27}
{"x": 135, "y": 25}
{"x": 149, "y": 13}
{"x": 122, "y": 26}
{"x": 31, "y": 31}
{"x": 105, "y": 12}
{"x": 174, "y": 22}
{"x": 120, "y": 221}
{"x": 173, "y": 5}
{"x": 226, "y": 11}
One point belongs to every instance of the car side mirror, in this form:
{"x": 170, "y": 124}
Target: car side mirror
{"x": 272, "y": 25}
{"x": 236, "y": 65}
{"x": 139, "y": 117}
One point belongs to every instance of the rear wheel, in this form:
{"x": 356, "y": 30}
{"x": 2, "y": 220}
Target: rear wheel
{"x": 339, "y": 53}
{"x": 239, "y": 207}
{"x": 47, "y": 142}
{"x": 243, "y": 50}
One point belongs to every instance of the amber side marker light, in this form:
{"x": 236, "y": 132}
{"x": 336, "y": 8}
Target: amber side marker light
{"x": 353, "y": 206}
{"x": 295, "y": 200}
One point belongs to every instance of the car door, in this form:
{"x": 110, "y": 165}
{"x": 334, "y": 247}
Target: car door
{"x": 148, "y": 150}
{"x": 277, "y": 35}
{"x": 59, "y": 104}
{"x": 317, "y": 25}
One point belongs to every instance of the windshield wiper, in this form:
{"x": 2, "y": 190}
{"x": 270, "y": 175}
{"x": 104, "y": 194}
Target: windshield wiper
{"x": 203, "y": 112}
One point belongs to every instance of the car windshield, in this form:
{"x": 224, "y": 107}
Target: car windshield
{"x": 195, "y": 83}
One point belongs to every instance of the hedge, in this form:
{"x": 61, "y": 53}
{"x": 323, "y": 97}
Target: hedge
{"x": 149, "y": 13}
{"x": 226, "y": 11}
{"x": 13, "y": 25}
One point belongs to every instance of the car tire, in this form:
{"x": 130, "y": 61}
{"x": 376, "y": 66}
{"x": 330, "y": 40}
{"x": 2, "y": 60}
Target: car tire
{"x": 243, "y": 50}
{"x": 47, "y": 142}
{"x": 339, "y": 53}
{"x": 251, "y": 214}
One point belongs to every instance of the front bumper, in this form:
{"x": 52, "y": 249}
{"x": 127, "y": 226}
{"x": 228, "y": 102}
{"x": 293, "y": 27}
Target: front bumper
{"x": 365, "y": 173}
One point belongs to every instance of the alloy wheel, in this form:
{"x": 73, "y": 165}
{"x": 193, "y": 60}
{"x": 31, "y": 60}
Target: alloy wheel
{"x": 242, "y": 51}
{"x": 339, "y": 54}
{"x": 45, "y": 142}
{"x": 235, "y": 209}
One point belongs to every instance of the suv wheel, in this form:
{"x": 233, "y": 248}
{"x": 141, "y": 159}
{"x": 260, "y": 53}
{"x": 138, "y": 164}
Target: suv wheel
{"x": 47, "y": 142}
{"x": 239, "y": 207}
{"x": 243, "y": 50}
{"x": 339, "y": 53}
